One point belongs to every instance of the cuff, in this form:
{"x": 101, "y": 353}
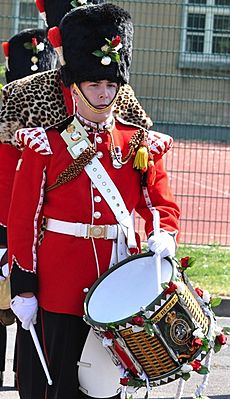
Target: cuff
{"x": 22, "y": 281}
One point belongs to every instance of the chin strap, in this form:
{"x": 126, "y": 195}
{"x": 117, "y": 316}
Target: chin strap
{"x": 75, "y": 90}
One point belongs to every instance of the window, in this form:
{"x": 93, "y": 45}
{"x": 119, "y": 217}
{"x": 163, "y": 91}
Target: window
{"x": 27, "y": 16}
{"x": 206, "y": 34}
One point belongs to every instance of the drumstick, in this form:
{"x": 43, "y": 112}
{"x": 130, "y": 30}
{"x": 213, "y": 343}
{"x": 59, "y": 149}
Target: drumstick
{"x": 157, "y": 258}
{"x": 40, "y": 354}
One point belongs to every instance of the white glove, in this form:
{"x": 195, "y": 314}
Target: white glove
{"x": 4, "y": 272}
{"x": 25, "y": 309}
{"x": 162, "y": 244}
{"x": 4, "y": 267}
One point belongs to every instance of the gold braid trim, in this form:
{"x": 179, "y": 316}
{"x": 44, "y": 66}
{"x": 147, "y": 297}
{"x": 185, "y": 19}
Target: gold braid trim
{"x": 133, "y": 144}
{"x": 74, "y": 169}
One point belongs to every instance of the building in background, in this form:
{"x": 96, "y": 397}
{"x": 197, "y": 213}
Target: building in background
{"x": 181, "y": 75}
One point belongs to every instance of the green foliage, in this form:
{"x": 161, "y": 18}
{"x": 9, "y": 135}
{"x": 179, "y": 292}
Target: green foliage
{"x": 211, "y": 271}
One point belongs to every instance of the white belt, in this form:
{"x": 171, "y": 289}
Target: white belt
{"x": 106, "y": 231}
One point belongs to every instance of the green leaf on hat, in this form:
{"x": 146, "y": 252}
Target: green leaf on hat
{"x": 98, "y": 53}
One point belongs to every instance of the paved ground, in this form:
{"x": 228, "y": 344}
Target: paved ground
{"x": 218, "y": 386}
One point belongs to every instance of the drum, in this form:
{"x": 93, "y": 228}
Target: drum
{"x": 148, "y": 330}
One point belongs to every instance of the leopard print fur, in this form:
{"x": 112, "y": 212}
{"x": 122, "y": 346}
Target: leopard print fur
{"x": 37, "y": 100}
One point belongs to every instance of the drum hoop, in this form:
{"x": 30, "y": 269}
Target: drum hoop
{"x": 109, "y": 271}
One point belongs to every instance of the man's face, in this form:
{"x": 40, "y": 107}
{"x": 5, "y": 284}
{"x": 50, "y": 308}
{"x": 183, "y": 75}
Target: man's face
{"x": 99, "y": 94}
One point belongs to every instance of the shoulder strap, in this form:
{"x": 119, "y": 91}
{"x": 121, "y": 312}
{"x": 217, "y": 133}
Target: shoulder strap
{"x": 78, "y": 148}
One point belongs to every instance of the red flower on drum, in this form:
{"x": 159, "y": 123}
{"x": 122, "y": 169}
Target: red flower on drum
{"x": 199, "y": 292}
{"x": 186, "y": 262}
{"x": 221, "y": 339}
{"x": 138, "y": 321}
{"x": 108, "y": 335}
{"x": 197, "y": 342}
{"x": 124, "y": 381}
{"x": 196, "y": 365}
{"x": 171, "y": 288}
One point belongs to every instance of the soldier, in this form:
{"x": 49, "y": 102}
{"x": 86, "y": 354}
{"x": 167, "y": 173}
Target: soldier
{"x": 26, "y": 53}
{"x": 72, "y": 199}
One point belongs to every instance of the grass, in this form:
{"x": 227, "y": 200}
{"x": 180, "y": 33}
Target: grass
{"x": 211, "y": 271}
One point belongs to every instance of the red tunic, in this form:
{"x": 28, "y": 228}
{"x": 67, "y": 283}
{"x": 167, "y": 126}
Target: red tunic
{"x": 65, "y": 264}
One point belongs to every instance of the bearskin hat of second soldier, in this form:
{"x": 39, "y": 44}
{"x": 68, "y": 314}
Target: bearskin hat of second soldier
{"x": 28, "y": 52}
{"x": 97, "y": 44}
{"x": 52, "y": 11}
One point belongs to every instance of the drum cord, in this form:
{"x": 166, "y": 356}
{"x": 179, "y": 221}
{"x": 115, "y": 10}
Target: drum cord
{"x": 180, "y": 389}
{"x": 200, "y": 389}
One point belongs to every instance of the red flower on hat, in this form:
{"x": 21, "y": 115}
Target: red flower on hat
{"x": 34, "y": 41}
{"x": 116, "y": 40}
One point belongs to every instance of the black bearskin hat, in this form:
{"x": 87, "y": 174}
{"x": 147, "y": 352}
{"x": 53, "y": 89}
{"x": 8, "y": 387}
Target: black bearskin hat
{"x": 54, "y": 10}
{"x": 28, "y": 52}
{"x": 89, "y": 35}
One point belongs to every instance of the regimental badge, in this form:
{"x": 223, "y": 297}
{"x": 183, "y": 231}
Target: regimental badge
{"x": 179, "y": 331}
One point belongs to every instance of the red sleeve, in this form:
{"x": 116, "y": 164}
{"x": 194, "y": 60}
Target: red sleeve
{"x": 25, "y": 210}
{"x": 9, "y": 157}
{"x": 159, "y": 196}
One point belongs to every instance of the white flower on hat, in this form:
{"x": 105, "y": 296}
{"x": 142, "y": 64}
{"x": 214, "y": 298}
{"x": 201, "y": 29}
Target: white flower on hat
{"x": 34, "y": 68}
{"x": 40, "y": 46}
{"x": 106, "y": 60}
{"x": 105, "y": 48}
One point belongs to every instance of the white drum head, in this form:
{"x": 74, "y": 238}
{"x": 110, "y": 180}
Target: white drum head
{"x": 126, "y": 289}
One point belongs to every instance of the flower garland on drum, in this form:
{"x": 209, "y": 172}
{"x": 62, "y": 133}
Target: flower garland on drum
{"x": 132, "y": 378}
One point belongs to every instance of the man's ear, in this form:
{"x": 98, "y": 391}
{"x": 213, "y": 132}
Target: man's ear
{"x": 74, "y": 91}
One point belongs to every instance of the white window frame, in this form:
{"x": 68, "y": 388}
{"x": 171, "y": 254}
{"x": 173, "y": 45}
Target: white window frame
{"x": 33, "y": 23}
{"x": 207, "y": 59}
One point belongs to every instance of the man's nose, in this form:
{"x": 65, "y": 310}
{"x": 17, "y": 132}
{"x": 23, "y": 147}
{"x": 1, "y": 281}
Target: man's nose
{"x": 103, "y": 93}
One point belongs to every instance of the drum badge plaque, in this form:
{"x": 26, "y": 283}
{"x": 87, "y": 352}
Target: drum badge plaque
{"x": 179, "y": 331}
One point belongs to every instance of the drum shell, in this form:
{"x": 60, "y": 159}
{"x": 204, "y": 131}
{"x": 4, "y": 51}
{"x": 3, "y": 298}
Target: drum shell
{"x": 162, "y": 355}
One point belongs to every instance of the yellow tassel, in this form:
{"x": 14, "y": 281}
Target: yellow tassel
{"x": 141, "y": 159}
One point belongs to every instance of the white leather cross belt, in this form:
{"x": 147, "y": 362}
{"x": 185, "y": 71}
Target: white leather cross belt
{"x": 106, "y": 231}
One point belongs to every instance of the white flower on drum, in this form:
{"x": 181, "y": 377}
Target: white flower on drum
{"x": 131, "y": 390}
{"x": 136, "y": 329}
{"x": 180, "y": 287}
{"x": 107, "y": 342}
{"x": 206, "y": 296}
{"x": 186, "y": 368}
{"x": 106, "y": 60}
{"x": 198, "y": 333}
{"x": 40, "y": 46}
{"x": 218, "y": 330}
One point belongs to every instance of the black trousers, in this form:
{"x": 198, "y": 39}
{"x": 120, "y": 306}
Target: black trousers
{"x": 62, "y": 339}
